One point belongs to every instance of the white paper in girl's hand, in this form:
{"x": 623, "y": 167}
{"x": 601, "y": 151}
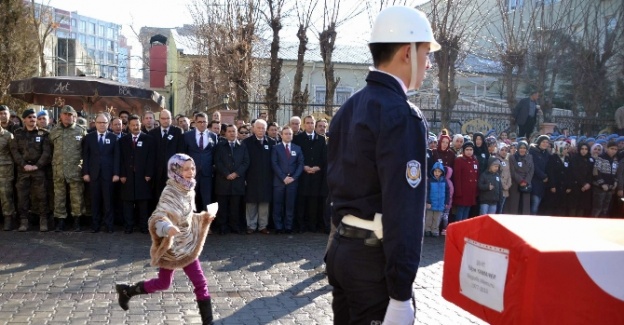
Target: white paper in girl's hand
{"x": 212, "y": 208}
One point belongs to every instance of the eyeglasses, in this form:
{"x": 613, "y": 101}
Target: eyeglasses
{"x": 244, "y": 133}
{"x": 31, "y": 116}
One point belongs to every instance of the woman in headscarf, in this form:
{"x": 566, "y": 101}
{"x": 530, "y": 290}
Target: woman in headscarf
{"x": 521, "y": 169}
{"x": 559, "y": 185}
{"x": 481, "y": 152}
{"x": 178, "y": 236}
{"x": 582, "y": 163}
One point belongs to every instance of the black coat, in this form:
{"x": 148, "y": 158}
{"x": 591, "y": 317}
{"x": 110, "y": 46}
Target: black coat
{"x": 314, "y": 154}
{"x": 540, "y": 159}
{"x": 137, "y": 162}
{"x": 164, "y": 148}
{"x": 229, "y": 161}
{"x": 260, "y": 174}
{"x": 100, "y": 162}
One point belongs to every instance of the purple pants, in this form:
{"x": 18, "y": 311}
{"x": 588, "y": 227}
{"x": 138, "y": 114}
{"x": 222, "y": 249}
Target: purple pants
{"x": 194, "y": 273}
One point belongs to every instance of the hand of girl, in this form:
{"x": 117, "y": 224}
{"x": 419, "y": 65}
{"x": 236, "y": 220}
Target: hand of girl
{"x": 173, "y": 230}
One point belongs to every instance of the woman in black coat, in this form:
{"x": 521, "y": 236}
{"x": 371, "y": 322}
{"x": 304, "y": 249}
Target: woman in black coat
{"x": 540, "y": 153}
{"x": 559, "y": 186}
{"x": 582, "y": 164}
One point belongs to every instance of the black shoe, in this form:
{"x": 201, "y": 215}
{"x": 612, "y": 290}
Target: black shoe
{"x": 125, "y": 292}
{"x": 205, "y": 311}
{"x": 60, "y": 225}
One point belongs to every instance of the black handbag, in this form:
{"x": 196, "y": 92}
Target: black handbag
{"x": 525, "y": 189}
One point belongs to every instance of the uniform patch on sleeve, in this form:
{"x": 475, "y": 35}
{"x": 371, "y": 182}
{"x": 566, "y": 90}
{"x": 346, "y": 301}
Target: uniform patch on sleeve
{"x": 412, "y": 173}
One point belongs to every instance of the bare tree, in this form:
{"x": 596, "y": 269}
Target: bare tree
{"x": 304, "y": 14}
{"x": 550, "y": 42}
{"x": 225, "y": 34}
{"x": 327, "y": 41}
{"x": 596, "y": 46}
{"x": 43, "y": 23}
{"x": 18, "y": 57}
{"x": 273, "y": 17}
{"x": 455, "y": 24}
{"x": 510, "y": 29}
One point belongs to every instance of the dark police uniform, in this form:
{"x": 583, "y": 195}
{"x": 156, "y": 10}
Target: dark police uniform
{"x": 376, "y": 165}
{"x": 32, "y": 148}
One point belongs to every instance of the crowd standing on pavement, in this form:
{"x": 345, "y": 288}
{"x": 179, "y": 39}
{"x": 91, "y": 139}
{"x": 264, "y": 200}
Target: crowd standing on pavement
{"x": 108, "y": 175}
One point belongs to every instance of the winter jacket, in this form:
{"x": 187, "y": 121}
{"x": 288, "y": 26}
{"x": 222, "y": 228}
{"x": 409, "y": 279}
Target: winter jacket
{"x": 505, "y": 174}
{"x": 605, "y": 170}
{"x": 560, "y": 174}
{"x": 540, "y": 159}
{"x": 465, "y": 179}
{"x": 521, "y": 168}
{"x": 487, "y": 196}
{"x": 437, "y": 189}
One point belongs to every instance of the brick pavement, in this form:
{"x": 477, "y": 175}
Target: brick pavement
{"x": 68, "y": 278}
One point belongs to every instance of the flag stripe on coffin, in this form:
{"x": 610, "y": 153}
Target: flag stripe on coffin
{"x": 546, "y": 282}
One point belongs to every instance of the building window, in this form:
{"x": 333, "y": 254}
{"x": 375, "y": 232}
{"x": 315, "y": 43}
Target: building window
{"x": 101, "y": 31}
{"x": 91, "y": 42}
{"x": 82, "y": 26}
{"x": 513, "y": 4}
{"x": 73, "y": 22}
{"x": 91, "y": 28}
{"x": 340, "y": 97}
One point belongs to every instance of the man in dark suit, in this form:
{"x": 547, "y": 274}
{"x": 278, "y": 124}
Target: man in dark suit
{"x": 100, "y": 168}
{"x": 259, "y": 178}
{"x": 200, "y": 144}
{"x": 136, "y": 172}
{"x": 312, "y": 184}
{"x": 231, "y": 162}
{"x": 525, "y": 114}
{"x": 168, "y": 141}
{"x": 287, "y": 164}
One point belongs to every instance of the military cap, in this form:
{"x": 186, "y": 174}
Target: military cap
{"x": 68, "y": 109}
{"x": 28, "y": 112}
{"x": 42, "y": 113}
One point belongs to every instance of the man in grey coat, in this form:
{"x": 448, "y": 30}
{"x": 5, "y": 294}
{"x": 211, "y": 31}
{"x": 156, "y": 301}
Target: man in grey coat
{"x": 525, "y": 114}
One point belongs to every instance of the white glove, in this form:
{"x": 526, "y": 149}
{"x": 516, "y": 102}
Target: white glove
{"x": 399, "y": 313}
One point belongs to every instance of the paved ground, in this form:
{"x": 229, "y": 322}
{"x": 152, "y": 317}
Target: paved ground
{"x": 68, "y": 278}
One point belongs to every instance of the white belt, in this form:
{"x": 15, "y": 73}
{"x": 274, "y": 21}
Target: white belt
{"x": 374, "y": 226}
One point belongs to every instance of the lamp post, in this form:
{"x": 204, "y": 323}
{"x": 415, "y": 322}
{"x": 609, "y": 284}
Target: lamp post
{"x": 226, "y": 101}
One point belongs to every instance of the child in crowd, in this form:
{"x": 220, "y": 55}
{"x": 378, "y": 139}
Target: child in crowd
{"x": 465, "y": 178}
{"x": 178, "y": 236}
{"x": 490, "y": 188}
{"x": 437, "y": 199}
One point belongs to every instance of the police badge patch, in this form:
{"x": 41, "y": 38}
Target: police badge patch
{"x": 412, "y": 173}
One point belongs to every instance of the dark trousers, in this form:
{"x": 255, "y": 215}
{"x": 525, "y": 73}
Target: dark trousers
{"x": 526, "y": 129}
{"x": 308, "y": 206}
{"x": 356, "y": 273}
{"x": 284, "y": 197}
{"x": 32, "y": 183}
{"x": 601, "y": 202}
{"x": 229, "y": 213}
{"x": 203, "y": 192}
{"x": 101, "y": 203}
{"x": 128, "y": 213}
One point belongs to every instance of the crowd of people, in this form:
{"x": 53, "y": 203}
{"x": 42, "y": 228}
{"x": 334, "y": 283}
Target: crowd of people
{"x": 549, "y": 174}
{"x": 271, "y": 178}
{"x": 110, "y": 173}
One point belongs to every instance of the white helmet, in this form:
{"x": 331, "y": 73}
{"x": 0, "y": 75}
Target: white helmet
{"x": 400, "y": 24}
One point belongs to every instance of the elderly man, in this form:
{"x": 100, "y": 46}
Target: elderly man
{"x": 168, "y": 142}
{"x": 259, "y": 178}
{"x": 101, "y": 170}
{"x": 295, "y": 125}
{"x": 66, "y": 139}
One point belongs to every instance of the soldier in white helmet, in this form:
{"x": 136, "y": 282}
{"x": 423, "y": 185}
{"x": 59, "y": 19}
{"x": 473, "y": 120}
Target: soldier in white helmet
{"x": 377, "y": 178}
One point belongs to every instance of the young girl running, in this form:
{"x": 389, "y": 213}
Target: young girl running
{"x": 178, "y": 236}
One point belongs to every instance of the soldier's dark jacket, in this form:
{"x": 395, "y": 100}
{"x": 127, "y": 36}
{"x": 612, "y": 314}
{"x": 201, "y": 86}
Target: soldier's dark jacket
{"x": 31, "y": 148}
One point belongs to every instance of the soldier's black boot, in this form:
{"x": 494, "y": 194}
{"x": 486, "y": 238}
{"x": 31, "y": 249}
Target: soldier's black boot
{"x": 8, "y": 223}
{"x": 23, "y": 224}
{"x": 205, "y": 311}
{"x": 77, "y": 224}
{"x": 43, "y": 223}
{"x": 126, "y": 292}
{"x": 60, "y": 225}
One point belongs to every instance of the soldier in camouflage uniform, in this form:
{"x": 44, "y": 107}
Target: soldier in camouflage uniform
{"x": 5, "y": 119}
{"x": 6, "y": 178}
{"x": 66, "y": 138}
{"x": 31, "y": 152}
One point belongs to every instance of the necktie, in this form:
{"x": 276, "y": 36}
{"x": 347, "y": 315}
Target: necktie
{"x": 101, "y": 141}
{"x": 287, "y": 150}
{"x": 134, "y": 141}
{"x": 232, "y": 147}
{"x": 310, "y": 137}
{"x": 201, "y": 140}
{"x": 164, "y": 133}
